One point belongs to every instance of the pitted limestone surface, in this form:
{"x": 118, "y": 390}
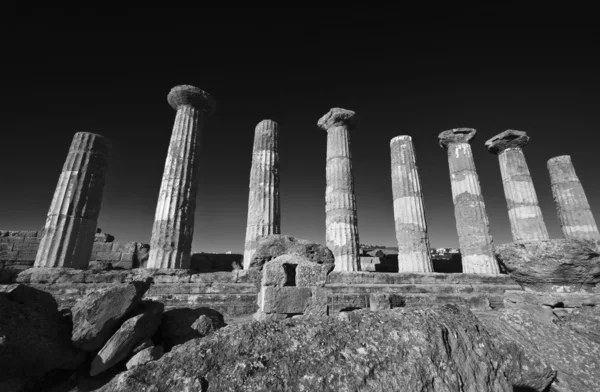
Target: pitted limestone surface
{"x": 338, "y": 117}
{"x": 193, "y": 96}
{"x": 508, "y": 139}
{"x": 72, "y": 218}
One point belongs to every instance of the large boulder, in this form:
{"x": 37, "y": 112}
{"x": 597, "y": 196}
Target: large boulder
{"x": 553, "y": 265}
{"x": 438, "y": 348}
{"x": 272, "y": 246}
{"x": 135, "y": 330}
{"x": 574, "y": 355}
{"x": 33, "y": 340}
{"x": 180, "y": 325}
{"x": 99, "y": 314}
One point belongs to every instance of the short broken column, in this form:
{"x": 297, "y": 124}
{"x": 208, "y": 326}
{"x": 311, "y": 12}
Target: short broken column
{"x": 173, "y": 229}
{"x": 576, "y": 219}
{"x": 526, "y": 221}
{"x": 340, "y": 209}
{"x": 73, "y": 215}
{"x": 263, "y": 199}
{"x": 472, "y": 224}
{"x": 409, "y": 211}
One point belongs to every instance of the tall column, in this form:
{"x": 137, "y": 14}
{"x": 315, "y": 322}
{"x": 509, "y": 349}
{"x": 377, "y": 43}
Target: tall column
{"x": 526, "y": 221}
{"x": 73, "y": 216}
{"x": 409, "y": 212}
{"x": 340, "y": 209}
{"x": 263, "y": 200}
{"x": 573, "y": 209}
{"x": 173, "y": 229}
{"x": 472, "y": 224}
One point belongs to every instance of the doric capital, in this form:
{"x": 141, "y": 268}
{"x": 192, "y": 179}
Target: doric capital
{"x": 192, "y": 96}
{"x": 456, "y": 135}
{"x": 507, "y": 139}
{"x": 338, "y": 117}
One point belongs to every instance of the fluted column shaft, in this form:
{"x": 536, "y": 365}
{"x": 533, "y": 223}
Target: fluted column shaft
{"x": 263, "y": 199}
{"x": 73, "y": 214}
{"x": 409, "y": 211}
{"x": 173, "y": 229}
{"x": 340, "y": 202}
{"x": 472, "y": 224}
{"x": 526, "y": 220}
{"x": 576, "y": 219}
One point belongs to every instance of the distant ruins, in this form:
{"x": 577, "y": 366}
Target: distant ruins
{"x": 68, "y": 240}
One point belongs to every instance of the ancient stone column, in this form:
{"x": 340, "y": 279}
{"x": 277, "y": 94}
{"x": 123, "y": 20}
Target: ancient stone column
{"x": 71, "y": 223}
{"x": 573, "y": 209}
{"x": 341, "y": 221}
{"x": 173, "y": 229}
{"x": 526, "y": 221}
{"x": 409, "y": 212}
{"x": 472, "y": 224}
{"x": 263, "y": 200}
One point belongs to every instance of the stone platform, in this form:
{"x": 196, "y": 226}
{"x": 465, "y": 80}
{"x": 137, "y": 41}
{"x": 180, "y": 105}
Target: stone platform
{"x": 235, "y": 293}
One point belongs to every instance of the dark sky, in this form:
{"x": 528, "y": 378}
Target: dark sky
{"x": 109, "y": 72}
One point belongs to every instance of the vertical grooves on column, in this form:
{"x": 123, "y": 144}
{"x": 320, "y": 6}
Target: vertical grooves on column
{"x": 174, "y": 220}
{"x": 73, "y": 214}
{"x": 472, "y": 223}
{"x": 341, "y": 219}
{"x": 526, "y": 220}
{"x": 411, "y": 227}
{"x": 573, "y": 209}
{"x": 263, "y": 198}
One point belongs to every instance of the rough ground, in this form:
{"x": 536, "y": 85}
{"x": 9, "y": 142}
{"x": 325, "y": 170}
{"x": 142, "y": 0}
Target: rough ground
{"x": 440, "y": 348}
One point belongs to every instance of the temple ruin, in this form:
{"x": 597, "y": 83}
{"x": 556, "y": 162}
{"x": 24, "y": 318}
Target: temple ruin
{"x": 72, "y": 259}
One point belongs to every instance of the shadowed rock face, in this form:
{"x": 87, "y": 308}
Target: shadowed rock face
{"x": 441, "y": 348}
{"x": 553, "y": 265}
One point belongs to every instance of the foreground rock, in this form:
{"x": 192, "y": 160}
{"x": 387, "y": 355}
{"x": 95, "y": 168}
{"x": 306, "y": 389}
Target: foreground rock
{"x": 145, "y": 356}
{"x": 272, "y": 246}
{"x": 33, "y": 340}
{"x": 98, "y": 315}
{"x": 553, "y": 265}
{"x": 135, "y": 330}
{"x": 439, "y": 348}
{"x": 574, "y": 355}
{"x": 180, "y": 325}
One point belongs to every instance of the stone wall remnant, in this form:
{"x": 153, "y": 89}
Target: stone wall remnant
{"x": 409, "y": 211}
{"x": 73, "y": 215}
{"x": 341, "y": 219}
{"x": 526, "y": 221}
{"x": 173, "y": 229}
{"x": 472, "y": 224}
{"x": 576, "y": 219}
{"x": 263, "y": 200}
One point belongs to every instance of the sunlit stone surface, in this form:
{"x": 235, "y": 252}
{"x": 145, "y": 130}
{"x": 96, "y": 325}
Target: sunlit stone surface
{"x": 73, "y": 215}
{"x": 526, "y": 221}
{"x": 472, "y": 224}
{"x": 173, "y": 229}
{"x": 263, "y": 199}
{"x": 341, "y": 221}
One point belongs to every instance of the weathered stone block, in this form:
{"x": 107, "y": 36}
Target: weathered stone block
{"x": 108, "y": 256}
{"x": 285, "y": 299}
{"x": 102, "y": 247}
{"x": 127, "y": 257}
{"x": 128, "y": 247}
{"x": 311, "y": 274}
